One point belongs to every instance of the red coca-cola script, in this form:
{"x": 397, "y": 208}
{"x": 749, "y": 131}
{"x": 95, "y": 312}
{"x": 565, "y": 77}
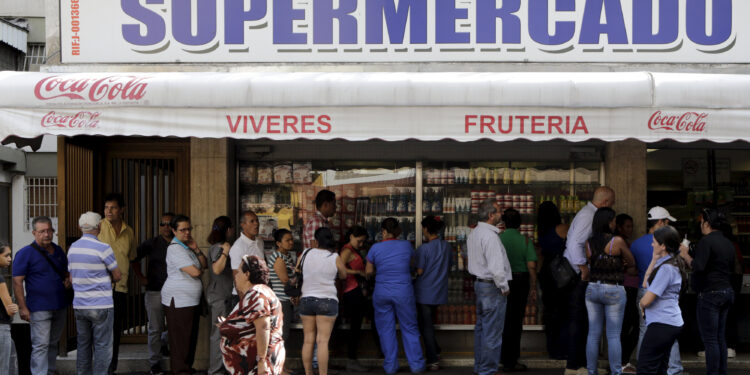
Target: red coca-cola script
{"x": 125, "y": 88}
{"x": 692, "y": 122}
{"x": 80, "y": 120}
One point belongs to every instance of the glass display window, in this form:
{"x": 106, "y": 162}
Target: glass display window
{"x": 283, "y": 195}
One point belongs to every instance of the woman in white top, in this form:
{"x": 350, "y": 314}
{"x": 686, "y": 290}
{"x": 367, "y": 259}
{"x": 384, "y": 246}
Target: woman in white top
{"x": 319, "y": 305}
{"x": 181, "y": 294}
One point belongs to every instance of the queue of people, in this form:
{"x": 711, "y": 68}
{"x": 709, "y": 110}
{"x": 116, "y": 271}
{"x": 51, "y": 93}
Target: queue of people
{"x": 253, "y": 294}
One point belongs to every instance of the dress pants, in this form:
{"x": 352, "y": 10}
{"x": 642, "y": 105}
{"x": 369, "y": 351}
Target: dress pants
{"x": 515, "y": 312}
{"x": 182, "y": 326}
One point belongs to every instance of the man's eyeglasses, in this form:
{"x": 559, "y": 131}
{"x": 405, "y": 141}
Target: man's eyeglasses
{"x": 164, "y": 224}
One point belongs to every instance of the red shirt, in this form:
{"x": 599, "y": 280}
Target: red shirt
{"x": 357, "y": 264}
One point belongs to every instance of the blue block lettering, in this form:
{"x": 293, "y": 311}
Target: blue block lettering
{"x": 283, "y": 18}
{"x": 206, "y": 22}
{"x": 487, "y": 15}
{"x": 669, "y": 22}
{"x": 614, "y": 28}
{"x": 415, "y": 11}
{"x": 696, "y": 22}
{"x": 446, "y": 15}
{"x": 539, "y": 22}
{"x": 235, "y": 17}
{"x": 323, "y": 15}
{"x": 156, "y": 29}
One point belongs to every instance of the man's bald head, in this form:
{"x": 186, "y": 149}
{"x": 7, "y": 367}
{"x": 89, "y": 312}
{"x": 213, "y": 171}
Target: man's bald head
{"x": 604, "y": 196}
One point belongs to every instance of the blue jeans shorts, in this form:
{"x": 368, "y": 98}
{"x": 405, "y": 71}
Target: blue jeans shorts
{"x": 312, "y": 306}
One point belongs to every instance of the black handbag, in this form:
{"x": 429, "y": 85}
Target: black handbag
{"x": 293, "y": 288}
{"x": 69, "y": 294}
{"x": 562, "y": 272}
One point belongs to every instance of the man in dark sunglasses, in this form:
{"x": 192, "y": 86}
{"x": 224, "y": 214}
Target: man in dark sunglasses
{"x": 155, "y": 250}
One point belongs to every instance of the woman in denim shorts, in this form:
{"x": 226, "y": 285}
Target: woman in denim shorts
{"x": 319, "y": 304}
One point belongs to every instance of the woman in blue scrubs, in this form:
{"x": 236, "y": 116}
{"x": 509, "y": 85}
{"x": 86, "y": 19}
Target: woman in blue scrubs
{"x": 390, "y": 262}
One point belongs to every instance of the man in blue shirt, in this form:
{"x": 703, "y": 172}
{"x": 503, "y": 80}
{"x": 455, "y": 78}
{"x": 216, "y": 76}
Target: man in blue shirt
{"x": 90, "y": 262}
{"x": 642, "y": 250}
{"x": 40, "y": 281}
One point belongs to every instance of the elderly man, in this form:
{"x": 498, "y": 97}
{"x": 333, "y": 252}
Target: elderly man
{"x": 488, "y": 263}
{"x": 248, "y": 244}
{"x": 93, "y": 269}
{"x": 575, "y": 253}
{"x": 40, "y": 280}
{"x": 116, "y": 233}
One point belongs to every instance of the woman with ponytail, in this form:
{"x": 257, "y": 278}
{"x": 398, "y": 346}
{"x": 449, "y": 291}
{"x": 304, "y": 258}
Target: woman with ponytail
{"x": 660, "y": 306}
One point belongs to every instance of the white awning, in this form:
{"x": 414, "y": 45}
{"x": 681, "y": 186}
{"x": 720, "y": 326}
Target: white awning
{"x": 389, "y": 106}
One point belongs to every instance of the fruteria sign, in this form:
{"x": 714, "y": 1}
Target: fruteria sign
{"x": 169, "y": 31}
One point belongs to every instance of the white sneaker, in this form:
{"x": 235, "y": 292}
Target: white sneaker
{"x": 702, "y": 354}
{"x": 731, "y": 353}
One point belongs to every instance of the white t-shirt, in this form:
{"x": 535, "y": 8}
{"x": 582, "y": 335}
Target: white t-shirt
{"x": 245, "y": 246}
{"x": 319, "y": 274}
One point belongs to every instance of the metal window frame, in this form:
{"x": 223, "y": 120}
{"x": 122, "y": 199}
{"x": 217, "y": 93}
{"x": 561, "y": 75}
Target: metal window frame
{"x": 48, "y": 209}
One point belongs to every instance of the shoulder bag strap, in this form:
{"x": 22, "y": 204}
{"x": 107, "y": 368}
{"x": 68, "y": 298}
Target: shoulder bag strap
{"x": 63, "y": 275}
{"x": 302, "y": 261}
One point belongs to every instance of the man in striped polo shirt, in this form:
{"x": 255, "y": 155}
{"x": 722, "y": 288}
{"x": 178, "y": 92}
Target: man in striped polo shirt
{"x": 93, "y": 270}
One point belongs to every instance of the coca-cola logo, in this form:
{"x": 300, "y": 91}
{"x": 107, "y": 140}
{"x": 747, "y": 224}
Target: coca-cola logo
{"x": 80, "y": 120}
{"x": 690, "y": 122}
{"x": 126, "y": 88}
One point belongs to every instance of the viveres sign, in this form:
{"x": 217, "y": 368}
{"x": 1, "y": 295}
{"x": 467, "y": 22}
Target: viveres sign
{"x": 678, "y": 31}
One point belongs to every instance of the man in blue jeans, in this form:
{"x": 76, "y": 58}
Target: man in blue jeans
{"x": 488, "y": 263}
{"x": 90, "y": 262}
{"x": 658, "y": 217}
{"x": 712, "y": 265}
{"x": 40, "y": 281}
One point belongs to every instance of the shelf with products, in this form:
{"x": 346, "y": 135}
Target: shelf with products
{"x": 283, "y": 195}
{"x": 454, "y": 191}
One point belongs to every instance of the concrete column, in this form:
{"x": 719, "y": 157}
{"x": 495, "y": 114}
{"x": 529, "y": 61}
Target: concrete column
{"x": 209, "y": 198}
{"x": 625, "y": 172}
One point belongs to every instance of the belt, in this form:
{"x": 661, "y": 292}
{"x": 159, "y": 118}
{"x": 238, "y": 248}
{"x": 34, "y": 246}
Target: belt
{"x": 489, "y": 281}
{"x": 605, "y": 282}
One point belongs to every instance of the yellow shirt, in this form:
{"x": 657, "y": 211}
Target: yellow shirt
{"x": 123, "y": 245}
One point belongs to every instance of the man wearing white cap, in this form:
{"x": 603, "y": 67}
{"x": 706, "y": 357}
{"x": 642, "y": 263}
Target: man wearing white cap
{"x": 643, "y": 252}
{"x": 93, "y": 269}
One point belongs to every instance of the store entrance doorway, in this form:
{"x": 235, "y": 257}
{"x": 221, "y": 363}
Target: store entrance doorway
{"x": 152, "y": 174}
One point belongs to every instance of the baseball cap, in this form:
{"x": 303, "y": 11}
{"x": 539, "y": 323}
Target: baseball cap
{"x": 659, "y": 213}
{"x": 89, "y": 220}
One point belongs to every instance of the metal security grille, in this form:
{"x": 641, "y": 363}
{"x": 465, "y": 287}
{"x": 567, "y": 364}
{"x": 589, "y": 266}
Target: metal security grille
{"x": 40, "y": 198}
{"x": 35, "y": 55}
{"x": 148, "y": 186}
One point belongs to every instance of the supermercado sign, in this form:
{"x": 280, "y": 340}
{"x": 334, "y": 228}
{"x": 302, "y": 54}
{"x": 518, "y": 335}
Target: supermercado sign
{"x": 141, "y": 31}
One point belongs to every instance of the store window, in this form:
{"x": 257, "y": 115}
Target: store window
{"x": 685, "y": 181}
{"x": 454, "y": 192}
{"x": 40, "y": 199}
{"x": 283, "y": 195}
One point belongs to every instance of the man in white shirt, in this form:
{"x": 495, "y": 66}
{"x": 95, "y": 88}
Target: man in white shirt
{"x": 248, "y": 244}
{"x": 488, "y": 263}
{"x": 575, "y": 253}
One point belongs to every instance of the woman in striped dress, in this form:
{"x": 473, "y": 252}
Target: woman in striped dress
{"x": 281, "y": 269}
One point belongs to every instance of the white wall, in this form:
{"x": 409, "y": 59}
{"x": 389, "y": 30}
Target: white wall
{"x": 21, "y": 235}
{"x": 22, "y": 8}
